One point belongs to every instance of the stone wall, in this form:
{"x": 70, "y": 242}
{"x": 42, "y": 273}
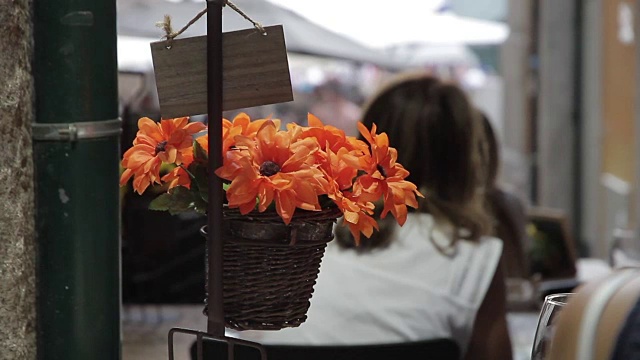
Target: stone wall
{"x": 17, "y": 235}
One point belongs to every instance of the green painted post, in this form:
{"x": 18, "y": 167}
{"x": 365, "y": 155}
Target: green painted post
{"x": 76, "y": 151}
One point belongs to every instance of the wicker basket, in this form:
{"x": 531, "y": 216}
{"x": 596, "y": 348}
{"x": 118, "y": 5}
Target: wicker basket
{"x": 269, "y": 268}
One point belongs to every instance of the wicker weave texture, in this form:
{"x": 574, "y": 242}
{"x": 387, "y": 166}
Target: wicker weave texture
{"x": 268, "y": 279}
{"x": 269, "y": 288}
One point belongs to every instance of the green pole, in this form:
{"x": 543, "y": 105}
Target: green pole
{"x": 76, "y": 152}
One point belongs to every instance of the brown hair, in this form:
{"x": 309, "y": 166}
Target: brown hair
{"x": 437, "y": 133}
{"x": 490, "y": 152}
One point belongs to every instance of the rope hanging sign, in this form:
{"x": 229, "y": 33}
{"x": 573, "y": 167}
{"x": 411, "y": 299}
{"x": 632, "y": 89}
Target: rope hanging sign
{"x": 255, "y": 69}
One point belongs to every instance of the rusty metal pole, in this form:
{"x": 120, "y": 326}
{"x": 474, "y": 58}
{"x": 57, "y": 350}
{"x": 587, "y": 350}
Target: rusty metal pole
{"x": 215, "y": 323}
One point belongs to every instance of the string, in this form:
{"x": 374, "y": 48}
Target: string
{"x": 256, "y": 24}
{"x": 170, "y": 34}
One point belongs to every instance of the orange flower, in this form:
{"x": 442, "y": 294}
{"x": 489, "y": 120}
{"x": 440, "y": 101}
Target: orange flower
{"x": 357, "y": 214}
{"x": 241, "y": 125}
{"x": 356, "y": 211}
{"x": 329, "y": 137}
{"x": 271, "y": 168}
{"x": 265, "y": 166}
{"x": 358, "y": 217}
{"x": 154, "y": 144}
{"x": 179, "y": 176}
{"x": 385, "y": 177}
{"x": 339, "y": 153}
{"x": 339, "y": 169}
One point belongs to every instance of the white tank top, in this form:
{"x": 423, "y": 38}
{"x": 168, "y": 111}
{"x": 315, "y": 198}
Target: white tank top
{"x": 408, "y": 291}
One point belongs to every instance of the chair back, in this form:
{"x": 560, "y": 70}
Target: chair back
{"x": 553, "y": 253}
{"x": 443, "y": 349}
{"x": 601, "y": 321}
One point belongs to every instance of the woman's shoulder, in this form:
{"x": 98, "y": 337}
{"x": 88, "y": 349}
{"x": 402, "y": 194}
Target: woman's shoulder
{"x": 423, "y": 226}
{"x": 476, "y": 264}
{"x": 481, "y": 254}
{"x": 485, "y": 245}
{"x": 437, "y": 242}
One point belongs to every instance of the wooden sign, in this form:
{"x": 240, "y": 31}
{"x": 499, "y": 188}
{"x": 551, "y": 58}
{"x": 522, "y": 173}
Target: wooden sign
{"x": 255, "y": 72}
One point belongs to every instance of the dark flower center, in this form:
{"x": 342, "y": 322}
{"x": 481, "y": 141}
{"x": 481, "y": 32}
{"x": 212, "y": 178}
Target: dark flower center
{"x": 382, "y": 170}
{"x": 269, "y": 168}
{"x": 161, "y": 147}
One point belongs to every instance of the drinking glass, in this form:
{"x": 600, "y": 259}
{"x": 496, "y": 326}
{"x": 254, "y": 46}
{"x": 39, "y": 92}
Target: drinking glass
{"x": 552, "y": 306}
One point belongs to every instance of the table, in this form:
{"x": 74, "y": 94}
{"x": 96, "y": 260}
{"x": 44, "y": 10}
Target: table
{"x": 522, "y": 330}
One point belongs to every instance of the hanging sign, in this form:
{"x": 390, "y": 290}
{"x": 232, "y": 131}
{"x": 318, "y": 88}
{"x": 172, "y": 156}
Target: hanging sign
{"x": 255, "y": 72}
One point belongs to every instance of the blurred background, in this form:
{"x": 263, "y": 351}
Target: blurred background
{"x": 558, "y": 80}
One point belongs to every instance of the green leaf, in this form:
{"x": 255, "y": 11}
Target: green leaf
{"x": 177, "y": 200}
{"x": 199, "y": 153}
{"x": 161, "y": 203}
{"x": 200, "y": 205}
{"x": 181, "y": 200}
{"x": 200, "y": 180}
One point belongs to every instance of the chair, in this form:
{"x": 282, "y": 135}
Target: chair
{"x": 553, "y": 253}
{"x": 441, "y": 349}
{"x": 601, "y": 321}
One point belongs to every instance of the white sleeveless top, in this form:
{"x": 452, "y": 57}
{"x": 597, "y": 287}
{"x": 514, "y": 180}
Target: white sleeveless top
{"x": 408, "y": 291}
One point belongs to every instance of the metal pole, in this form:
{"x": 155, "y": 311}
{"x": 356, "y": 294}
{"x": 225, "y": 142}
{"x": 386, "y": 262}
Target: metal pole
{"x": 76, "y": 153}
{"x": 215, "y": 323}
{"x": 579, "y": 130}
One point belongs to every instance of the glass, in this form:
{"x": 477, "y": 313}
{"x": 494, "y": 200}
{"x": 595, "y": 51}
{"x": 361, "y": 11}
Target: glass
{"x": 552, "y": 306}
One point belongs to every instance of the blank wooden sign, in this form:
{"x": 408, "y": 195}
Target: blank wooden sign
{"x": 255, "y": 72}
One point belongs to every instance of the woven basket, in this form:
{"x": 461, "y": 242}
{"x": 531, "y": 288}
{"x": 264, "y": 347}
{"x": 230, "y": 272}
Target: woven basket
{"x": 270, "y": 268}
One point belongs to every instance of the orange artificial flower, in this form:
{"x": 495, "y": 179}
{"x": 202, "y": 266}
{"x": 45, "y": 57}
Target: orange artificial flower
{"x": 241, "y": 125}
{"x": 357, "y": 212}
{"x": 358, "y": 217}
{"x": 263, "y": 165}
{"x": 329, "y": 137}
{"x": 179, "y": 176}
{"x": 339, "y": 169}
{"x": 385, "y": 177}
{"x": 339, "y": 153}
{"x": 271, "y": 168}
{"x": 154, "y": 144}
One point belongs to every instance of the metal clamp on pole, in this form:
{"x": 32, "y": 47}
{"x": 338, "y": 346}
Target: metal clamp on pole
{"x": 72, "y": 132}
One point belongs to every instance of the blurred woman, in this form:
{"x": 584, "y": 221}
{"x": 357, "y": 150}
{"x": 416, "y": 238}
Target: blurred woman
{"x": 436, "y": 277}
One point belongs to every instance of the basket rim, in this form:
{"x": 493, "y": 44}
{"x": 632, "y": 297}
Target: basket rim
{"x": 271, "y": 216}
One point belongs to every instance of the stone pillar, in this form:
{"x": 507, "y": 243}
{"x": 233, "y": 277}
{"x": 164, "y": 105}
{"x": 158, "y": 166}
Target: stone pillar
{"x": 557, "y": 123}
{"x": 17, "y": 237}
{"x": 518, "y": 85}
{"x": 591, "y": 231}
